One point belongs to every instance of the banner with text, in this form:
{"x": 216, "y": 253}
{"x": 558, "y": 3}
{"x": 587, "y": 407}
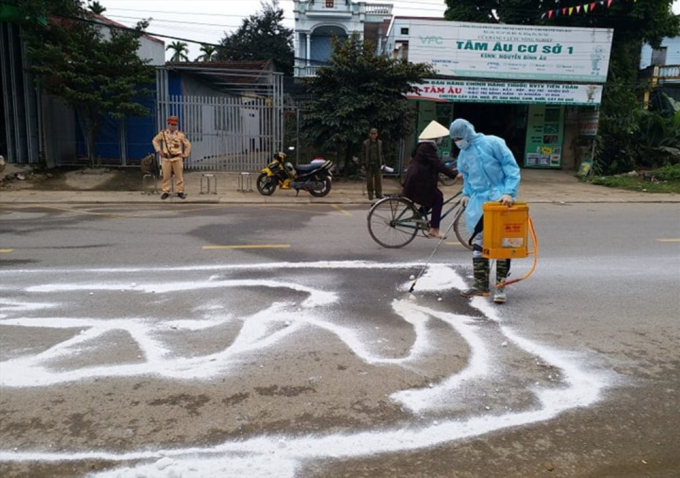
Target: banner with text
{"x": 499, "y": 92}
{"x": 477, "y": 50}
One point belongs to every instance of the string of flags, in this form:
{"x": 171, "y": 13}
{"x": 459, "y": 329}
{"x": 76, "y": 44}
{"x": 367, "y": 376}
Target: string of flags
{"x": 578, "y": 9}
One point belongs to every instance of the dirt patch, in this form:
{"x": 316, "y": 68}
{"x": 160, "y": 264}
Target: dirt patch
{"x": 104, "y": 179}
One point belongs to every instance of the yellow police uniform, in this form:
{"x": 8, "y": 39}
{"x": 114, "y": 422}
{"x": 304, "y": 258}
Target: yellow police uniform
{"x": 176, "y": 147}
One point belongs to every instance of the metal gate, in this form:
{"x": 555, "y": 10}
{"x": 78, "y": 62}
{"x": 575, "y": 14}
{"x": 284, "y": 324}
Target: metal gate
{"x": 237, "y": 128}
{"x": 19, "y": 114}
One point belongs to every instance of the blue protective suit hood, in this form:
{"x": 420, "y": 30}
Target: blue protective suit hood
{"x": 461, "y": 128}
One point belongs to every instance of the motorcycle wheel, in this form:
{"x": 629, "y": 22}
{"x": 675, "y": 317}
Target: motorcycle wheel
{"x": 323, "y": 191}
{"x": 266, "y": 185}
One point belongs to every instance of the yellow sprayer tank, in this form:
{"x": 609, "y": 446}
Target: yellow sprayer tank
{"x": 505, "y": 231}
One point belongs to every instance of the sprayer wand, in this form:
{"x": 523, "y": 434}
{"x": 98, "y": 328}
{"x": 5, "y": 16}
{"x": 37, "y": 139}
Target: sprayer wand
{"x": 441, "y": 239}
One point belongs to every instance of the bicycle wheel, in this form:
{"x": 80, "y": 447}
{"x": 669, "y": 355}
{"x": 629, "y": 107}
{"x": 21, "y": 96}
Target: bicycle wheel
{"x": 393, "y": 222}
{"x": 459, "y": 228}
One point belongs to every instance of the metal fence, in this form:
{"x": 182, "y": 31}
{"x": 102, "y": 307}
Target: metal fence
{"x": 237, "y": 128}
{"x": 19, "y": 112}
{"x": 226, "y": 133}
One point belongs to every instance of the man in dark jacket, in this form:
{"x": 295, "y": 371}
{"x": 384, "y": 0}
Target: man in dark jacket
{"x": 372, "y": 159}
{"x": 420, "y": 185}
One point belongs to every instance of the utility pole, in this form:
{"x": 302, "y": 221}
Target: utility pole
{"x": 655, "y": 80}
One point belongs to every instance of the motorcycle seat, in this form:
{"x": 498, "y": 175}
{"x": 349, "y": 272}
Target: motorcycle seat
{"x": 306, "y": 168}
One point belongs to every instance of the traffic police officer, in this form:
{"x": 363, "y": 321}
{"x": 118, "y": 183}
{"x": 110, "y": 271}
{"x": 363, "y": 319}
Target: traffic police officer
{"x": 173, "y": 147}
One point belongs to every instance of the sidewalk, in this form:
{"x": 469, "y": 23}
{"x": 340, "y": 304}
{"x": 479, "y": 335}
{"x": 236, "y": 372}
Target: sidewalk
{"x": 537, "y": 186}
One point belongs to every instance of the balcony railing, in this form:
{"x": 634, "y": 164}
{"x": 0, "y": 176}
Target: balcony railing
{"x": 378, "y": 9}
{"x": 303, "y": 71}
{"x": 662, "y": 74}
{"x": 669, "y": 72}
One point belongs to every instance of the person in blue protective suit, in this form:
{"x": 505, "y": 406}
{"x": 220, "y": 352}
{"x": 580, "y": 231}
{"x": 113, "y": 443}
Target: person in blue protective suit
{"x": 490, "y": 173}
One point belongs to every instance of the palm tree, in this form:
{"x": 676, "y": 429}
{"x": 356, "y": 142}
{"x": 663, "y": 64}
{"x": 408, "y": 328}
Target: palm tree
{"x": 209, "y": 53}
{"x": 180, "y": 51}
{"x": 97, "y": 8}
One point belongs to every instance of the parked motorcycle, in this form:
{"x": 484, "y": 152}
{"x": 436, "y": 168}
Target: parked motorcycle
{"x": 315, "y": 178}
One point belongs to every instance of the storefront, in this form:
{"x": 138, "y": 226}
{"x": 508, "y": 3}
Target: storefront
{"x": 532, "y": 86}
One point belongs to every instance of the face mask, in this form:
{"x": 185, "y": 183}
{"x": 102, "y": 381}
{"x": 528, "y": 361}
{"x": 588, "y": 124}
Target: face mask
{"x": 462, "y": 144}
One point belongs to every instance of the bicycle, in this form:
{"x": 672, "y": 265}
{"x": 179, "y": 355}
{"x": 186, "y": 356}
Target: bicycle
{"x": 394, "y": 221}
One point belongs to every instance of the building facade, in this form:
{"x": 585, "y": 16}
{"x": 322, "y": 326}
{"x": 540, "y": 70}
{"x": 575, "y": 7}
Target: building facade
{"x": 661, "y": 67}
{"x": 39, "y": 128}
{"x": 667, "y": 54}
{"x": 536, "y": 87}
{"x": 318, "y": 21}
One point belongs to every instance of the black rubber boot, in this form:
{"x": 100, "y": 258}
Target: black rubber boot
{"x": 480, "y": 286}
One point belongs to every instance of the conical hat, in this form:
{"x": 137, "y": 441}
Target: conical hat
{"x": 434, "y": 130}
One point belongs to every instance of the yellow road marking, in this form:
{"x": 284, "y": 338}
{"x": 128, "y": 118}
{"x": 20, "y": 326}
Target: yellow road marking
{"x": 341, "y": 210}
{"x": 250, "y": 246}
{"x": 668, "y": 240}
{"x": 6, "y": 251}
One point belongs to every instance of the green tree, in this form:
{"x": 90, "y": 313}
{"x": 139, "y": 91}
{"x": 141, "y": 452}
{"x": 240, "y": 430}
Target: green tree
{"x": 515, "y": 12}
{"x": 358, "y": 90}
{"x": 96, "y": 74}
{"x": 261, "y": 36}
{"x": 180, "y": 50}
{"x": 632, "y": 22}
{"x": 209, "y": 53}
{"x": 658, "y": 138}
{"x": 96, "y": 7}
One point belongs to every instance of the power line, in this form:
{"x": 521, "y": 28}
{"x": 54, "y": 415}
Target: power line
{"x": 385, "y": 2}
{"x": 416, "y": 6}
{"x": 317, "y": 62}
{"x": 171, "y": 37}
{"x": 219, "y": 46}
{"x": 167, "y": 20}
{"x": 175, "y": 22}
{"x": 231, "y": 15}
{"x": 528, "y": 13}
{"x": 177, "y": 13}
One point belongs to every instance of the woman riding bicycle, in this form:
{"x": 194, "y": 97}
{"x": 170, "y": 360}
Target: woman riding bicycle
{"x": 420, "y": 185}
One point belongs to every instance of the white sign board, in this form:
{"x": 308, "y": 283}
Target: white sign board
{"x": 588, "y": 123}
{"x": 461, "y": 91}
{"x": 479, "y": 50}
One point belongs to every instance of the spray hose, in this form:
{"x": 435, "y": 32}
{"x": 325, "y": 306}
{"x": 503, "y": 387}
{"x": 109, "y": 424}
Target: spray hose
{"x": 534, "y": 240}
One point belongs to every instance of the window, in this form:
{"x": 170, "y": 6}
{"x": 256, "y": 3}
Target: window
{"x": 404, "y": 31}
{"x": 330, "y": 3}
{"x": 659, "y": 56}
